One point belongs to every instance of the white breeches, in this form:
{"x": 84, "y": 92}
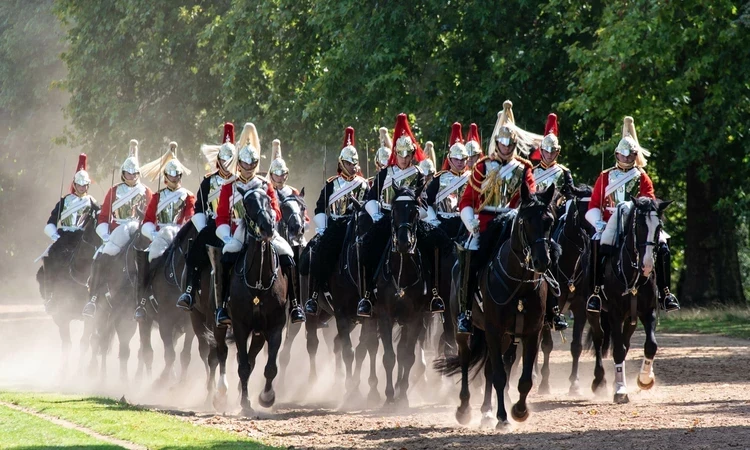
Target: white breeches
{"x": 235, "y": 245}
{"x": 161, "y": 241}
{"x": 120, "y": 237}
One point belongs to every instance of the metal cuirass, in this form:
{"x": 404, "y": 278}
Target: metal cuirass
{"x": 450, "y": 203}
{"x": 134, "y": 208}
{"x": 338, "y": 207}
{"x": 169, "y": 213}
{"x": 81, "y": 207}
{"x": 543, "y": 182}
{"x": 387, "y": 194}
{"x": 499, "y": 186}
{"x": 623, "y": 193}
{"x": 216, "y": 182}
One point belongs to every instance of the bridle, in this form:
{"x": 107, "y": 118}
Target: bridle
{"x": 410, "y": 229}
{"x": 252, "y": 231}
{"x": 285, "y": 222}
{"x": 631, "y": 288}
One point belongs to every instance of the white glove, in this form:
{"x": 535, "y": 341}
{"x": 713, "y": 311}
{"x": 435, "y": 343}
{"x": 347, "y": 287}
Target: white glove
{"x": 320, "y": 220}
{"x": 149, "y": 230}
{"x": 103, "y": 231}
{"x": 470, "y": 220}
{"x": 594, "y": 216}
{"x": 223, "y": 232}
{"x": 600, "y": 225}
{"x": 231, "y": 245}
{"x": 373, "y": 209}
{"x": 431, "y": 216}
{"x": 51, "y": 231}
{"x": 199, "y": 221}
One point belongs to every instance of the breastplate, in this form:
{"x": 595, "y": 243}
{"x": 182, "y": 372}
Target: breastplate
{"x": 133, "y": 208}
{"x": 216, "y": 182}
{"x": 450, "y": 203}
{"x": 387, "y": 194}
{"x": 338, "y": 208}
{"x": 498, "y": 190}
{"x": 171, "y": 212}
{"x": 77, "y": 218}
{"x": 623, "y": 193}
{"x": 238, "y": 206}
{"x": 544, "y": 184}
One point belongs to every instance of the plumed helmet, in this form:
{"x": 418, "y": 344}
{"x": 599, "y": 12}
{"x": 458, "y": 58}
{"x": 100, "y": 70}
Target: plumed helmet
{"x": 278, "y": 165}
{"x": 550, "y": 143}
{"x": 473, "y": 141}
{"x": 383, "y": 154}
{"x": 405, "y": 143}
{"x": 131, "y": 165}
{"x": 349, "y": 150}
{"x": 227, "y": 150}
{"x": 249, "y": 144}
{"x": 629, "y": 143}
{"x": 167, "y": 164}
{"x": 457, "y": 149}
{"x": 507, "y": 132}
{"x": 428, "y": 164}
{"x": 81, "y": 176}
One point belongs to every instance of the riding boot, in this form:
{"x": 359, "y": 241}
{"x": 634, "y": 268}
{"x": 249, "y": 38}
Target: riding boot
{"x": 295, "y": 310}
{"x": 554, "y": 317}
{"x": 311, "y": 305}
{"x": 664, "y": 278}
{"x": 186, "y": 300}
{"x": 224, "y": 278}
{"x": 467, "y": 287}
{"x": 437, "y": 305}
{"x": 101, "y": 260}
{"x": 594, "y": 302}
{"x": 142, "y": 267}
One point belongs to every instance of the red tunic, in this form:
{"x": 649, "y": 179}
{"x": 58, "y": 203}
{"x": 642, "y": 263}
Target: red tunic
{"x": 224, "y": 210}
{"x": 105, "y": 212}
{"x": 600, "y": 201}
{"x": 474, "y": 198}
{"x": 182, "y": 218}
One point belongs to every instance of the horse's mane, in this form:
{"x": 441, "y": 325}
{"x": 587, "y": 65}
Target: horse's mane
{"x": 299, "y": 199}
{"x": 497, "y": 232}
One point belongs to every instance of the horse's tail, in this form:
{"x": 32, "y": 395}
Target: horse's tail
{"x": 588, "y": 343}
{"x": 478, "y": 355}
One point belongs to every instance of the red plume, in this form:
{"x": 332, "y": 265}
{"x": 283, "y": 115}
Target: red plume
{"x": 551, "y": 126}
{"x": 456, "y": 135}
{"x": 83, "y": 162}
{"x": 348, "y": 137}
{"x": 403, "y": 129}
{"x": 474, "y": 135}
{"x": 228, "y": 133}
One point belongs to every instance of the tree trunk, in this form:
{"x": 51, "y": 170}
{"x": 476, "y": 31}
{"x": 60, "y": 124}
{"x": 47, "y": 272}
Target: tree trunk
{"x": 712, "y": 272}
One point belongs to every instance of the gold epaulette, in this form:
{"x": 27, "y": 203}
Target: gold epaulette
{"x": 525, "y": 161}
{"x": 332, "y": 178}
{"x": 438, "y": 174}
{"x": 474, "y": 182}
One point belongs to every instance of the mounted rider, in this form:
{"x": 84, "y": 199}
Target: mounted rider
{"x": 121, "y": 214}
{"x": 473, "y": 146}
{"x": 72, "y": 211}
{"x": 278, "y": 174}
{"x": 230, "y": 226}
{"x": 546, "y": 172}
{"x": 612, "y": 192}
{"x": 402, "y": 171}
{"x": 169, "y": 209}
{"x": 428, "y": 167}
{"x": 333, "y": 206}
{"x": 446, "y": 189}
{"x": 223, "y": 158}
{"x": 383, "y": 155}
{"x": 495, "y": 184}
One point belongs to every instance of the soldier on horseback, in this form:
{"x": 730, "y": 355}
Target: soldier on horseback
{"x": 446, "y": 189}
{"x": 427, "y": 166}
{"x": 72, "y": 211}
{"x": 230, "y": 226}
{"x": 610, "y": 203}
{"x": 169, "y": 209}
{"x": 383, "y": 155}
{"x": 122, "y": 211}
{"x": 333, "y": 205}
{"x": 224, "y": 158}
{"x": 402, "y": 171}
{"x": 473, "y": 146}
{"x": 494, "y": 185}
{"x": 547, "y": 172}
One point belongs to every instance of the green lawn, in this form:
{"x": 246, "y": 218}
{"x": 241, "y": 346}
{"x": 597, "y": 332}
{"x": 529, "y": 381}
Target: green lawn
{"x": 19, "y": 430}
{"x": 111, "y": 418}
{"x": 733, "y": 321}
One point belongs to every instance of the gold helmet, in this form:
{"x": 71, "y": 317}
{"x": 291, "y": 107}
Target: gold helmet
{"x": 629, "y": 143}
{"x": 506, "y": 132}
{"x": 167, "y": 164}
{"x": 249, "y": 144}
{"x": 278, "y": 165}
{"x": 131, "y": 165}
{"x": 384, "y": 152}
{"x": 428, "y": 164}
{"x": 348, "y": 150}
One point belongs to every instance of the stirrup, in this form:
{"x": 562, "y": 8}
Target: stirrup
{"x": 140, "y": 314}
{"x": 463, "y": 323}
{"x": 669, "y": 301}
{"x": 364, "y": 308}
{"x": 594, "y": 302}
{"x": 311, "y": 305}
{"x": 297, "y": 315}
{"x": 222, "y": 317}
{"x": 89, "y": 309}
{"x": 437, "y": 305}
{"x": 185, "y": 301}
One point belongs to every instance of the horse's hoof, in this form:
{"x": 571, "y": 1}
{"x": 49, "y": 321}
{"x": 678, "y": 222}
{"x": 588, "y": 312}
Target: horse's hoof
{"x": 402, "y": 402}
{"x": 645, "y": 387}
{"x": 544, "y": 389}
{"x": 373, "y": 398}
{"x": 247, "y": 411}
{"x": 267, "y": 398}
{"x": 503, "y": 425}
{"x": 599, "y": 388}
{"x": 519, "y": 416}
{"x": 488, "y": 420}
{"x": 621, "y": 399}
{"x": 574, "y": 391}
{"x": 220, "y": 403}
{"x": 463, "y": 417}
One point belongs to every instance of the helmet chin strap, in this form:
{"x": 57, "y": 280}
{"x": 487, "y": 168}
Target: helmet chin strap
{"x": 345, "y": 173}
{"x": 250, "y": 175}
{"x": 132, "y": 182}
{"x": 625, "y": 166}
{"x": 172, "y": 185}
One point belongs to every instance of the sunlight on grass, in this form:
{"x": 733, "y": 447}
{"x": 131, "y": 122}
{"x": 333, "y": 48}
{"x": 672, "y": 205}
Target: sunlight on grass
{"x": 728, "y": 321}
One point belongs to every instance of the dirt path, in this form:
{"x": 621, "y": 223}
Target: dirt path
{"x": 701, "y": 400}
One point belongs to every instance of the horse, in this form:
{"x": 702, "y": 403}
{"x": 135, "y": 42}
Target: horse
{"x": 165, "y": 279}
{"x": 572, "y": 274}
{"x": 630, "y": 294}
{"x": 513, "y": 287}
{"x": 402, "y": 296}
{"x": 63, "y": 280}
{"x": 258, "y": 290}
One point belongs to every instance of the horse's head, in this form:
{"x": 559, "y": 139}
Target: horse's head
{"x": 536, "y": 216}
{"x": 578, "y": 205}
{"x": 259, "y": 222}
{"x": 404, "y": 217}
{"x": 645, "y": 223}
{"x": 293, "y": 209}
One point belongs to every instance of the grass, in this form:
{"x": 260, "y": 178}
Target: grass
{"x": 19, "y": 430}
{"x": 726, "y": 321}
{"x": 122, "y": 421}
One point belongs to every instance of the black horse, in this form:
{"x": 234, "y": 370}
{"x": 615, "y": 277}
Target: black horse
{"x": 630, "y": 294}
{"x": 63, "y": 281}
{"x": 514, "y": 289}
{"x": 572, "y": 274}
{"x": 164, "y": 281}
{"x": 258, "y": 290}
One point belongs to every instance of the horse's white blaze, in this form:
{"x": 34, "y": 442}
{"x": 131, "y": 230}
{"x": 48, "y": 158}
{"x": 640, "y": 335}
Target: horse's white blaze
{"x": 652, "y": 223}
{"x": 222, "y": 386}
{"x": 621, "y": 387}
{"x": 646, "y": 375}
{"x": 294, "y": 207}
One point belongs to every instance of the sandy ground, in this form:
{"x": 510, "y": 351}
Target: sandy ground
{"x": 701, "y": 399}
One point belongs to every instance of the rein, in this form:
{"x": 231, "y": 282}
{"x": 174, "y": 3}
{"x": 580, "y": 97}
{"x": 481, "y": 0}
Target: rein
{"x": 632, "y": 289}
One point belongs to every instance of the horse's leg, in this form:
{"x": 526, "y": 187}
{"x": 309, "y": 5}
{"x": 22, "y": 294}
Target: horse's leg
{"x": 186, "y": 354}
{"x": 344, "y": 328}
{"x": 619, "y": 351}
{"x": 311, "y": 330}
{"x": 463, "y": 412}
{"x": 520, "y": 411}
{"x": 420, "y": 362}
{"x": 85, "y": 343}
{"x": 370, "y": 333}
{"x": 576, "y": 348}
{"x": 241, "y": 336}
{"x": 646, "y": 375}
{"x": 509, "y": 360}
{"x": 389, "y": 356}
{"x": 500, "y": 368}
{"x": 407, "y": 348}
{"x": 166, "y": 332}
{"x": 487, "y": 417}
{"x": 292, "y": 330}
{"x": 547, "y": 345}
{"x": 222, "y": 386}
{"x": 599, "y": 384}
{"x": 126, "y": 329}
{"x": 268, "y": 397}
{"x": 63, "y": 325}
{"x": 146, "y": 350}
